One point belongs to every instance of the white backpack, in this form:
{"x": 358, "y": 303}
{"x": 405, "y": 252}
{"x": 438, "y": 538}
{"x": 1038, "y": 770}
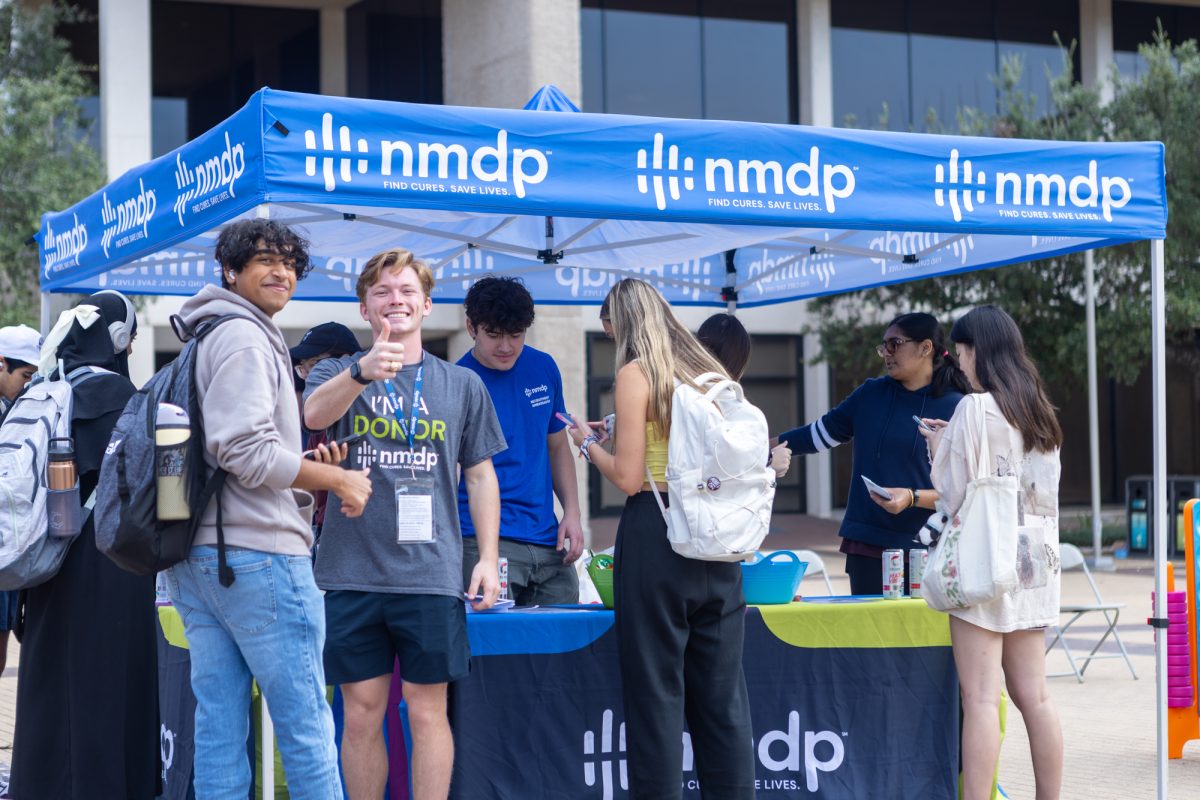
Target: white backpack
{"x": 28, "y": 555}
{"x": 718, "y": 481}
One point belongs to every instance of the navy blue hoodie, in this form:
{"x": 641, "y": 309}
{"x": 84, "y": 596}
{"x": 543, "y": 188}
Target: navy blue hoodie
{"x": 888, "y": 449}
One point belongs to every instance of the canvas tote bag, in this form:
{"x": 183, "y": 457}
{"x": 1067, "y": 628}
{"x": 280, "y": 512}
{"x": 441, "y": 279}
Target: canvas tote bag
{"x": 975, "y": 559}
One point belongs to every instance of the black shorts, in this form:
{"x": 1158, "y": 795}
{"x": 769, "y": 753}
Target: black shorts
{"x": 366, "y": 631}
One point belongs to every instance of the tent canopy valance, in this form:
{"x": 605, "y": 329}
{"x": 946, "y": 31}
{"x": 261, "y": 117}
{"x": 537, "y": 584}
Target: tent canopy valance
{"x": 572, "y": 201}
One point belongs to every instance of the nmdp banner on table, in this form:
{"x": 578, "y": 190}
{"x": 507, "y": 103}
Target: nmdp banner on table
{"x": 829, "y": 722}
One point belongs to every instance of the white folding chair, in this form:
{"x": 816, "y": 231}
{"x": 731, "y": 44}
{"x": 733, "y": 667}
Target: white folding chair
{"x": 815, "y": 567}
{"x": 1073, "y": 559}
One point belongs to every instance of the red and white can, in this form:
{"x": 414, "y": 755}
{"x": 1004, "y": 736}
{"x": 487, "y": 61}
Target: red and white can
{"x": 503, "y": 564}
{"x": 918, "y": 557}
{"x": 893, "y": 574}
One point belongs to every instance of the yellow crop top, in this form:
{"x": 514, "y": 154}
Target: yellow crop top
{"x": 656, "y": 454}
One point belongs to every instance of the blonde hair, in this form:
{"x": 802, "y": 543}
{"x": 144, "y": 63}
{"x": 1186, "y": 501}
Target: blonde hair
{"x": 397, "y": 258}
{"x": 646, "y": 330}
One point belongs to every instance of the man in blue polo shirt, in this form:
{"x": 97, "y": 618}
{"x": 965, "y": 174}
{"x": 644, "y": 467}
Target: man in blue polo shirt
{"x": 526, "y": 389}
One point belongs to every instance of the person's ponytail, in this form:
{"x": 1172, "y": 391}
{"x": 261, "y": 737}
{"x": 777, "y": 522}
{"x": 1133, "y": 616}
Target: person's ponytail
{"x": 947, "y": 375}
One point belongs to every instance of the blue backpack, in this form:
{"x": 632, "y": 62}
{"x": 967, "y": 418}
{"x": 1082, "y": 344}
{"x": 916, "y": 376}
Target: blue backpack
{"x": 128, "y": 530}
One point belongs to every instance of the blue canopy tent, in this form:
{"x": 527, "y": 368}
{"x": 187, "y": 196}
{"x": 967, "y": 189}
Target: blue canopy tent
{"x": 715, "y": 213}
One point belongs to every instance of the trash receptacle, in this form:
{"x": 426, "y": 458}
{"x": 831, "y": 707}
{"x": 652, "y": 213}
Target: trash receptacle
{"x": 1139, "y": 524}
{"x": 1180, "y": 489}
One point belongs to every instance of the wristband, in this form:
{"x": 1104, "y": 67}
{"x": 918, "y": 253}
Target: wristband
{"x": 587, "y": 442}
{"x": 916, "y": 497}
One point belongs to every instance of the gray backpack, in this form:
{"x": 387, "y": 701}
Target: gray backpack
{"x": 28, "y": 554}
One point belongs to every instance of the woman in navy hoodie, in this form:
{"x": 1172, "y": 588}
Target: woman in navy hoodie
{"x": 922, "y": 380}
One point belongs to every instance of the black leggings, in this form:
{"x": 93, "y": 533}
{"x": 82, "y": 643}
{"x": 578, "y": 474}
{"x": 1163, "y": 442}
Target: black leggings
{"x": 680, "y": 625}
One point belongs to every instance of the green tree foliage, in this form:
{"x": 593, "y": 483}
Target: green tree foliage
{"x": 45, "y": 162}
{"x": 1047, "y": 297}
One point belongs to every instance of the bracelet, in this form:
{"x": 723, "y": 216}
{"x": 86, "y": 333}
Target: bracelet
{"x": 587, "y": 442}
{"x": 916, "y": 493}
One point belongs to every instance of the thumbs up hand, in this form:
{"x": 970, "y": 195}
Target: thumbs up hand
{"x": 385, "y": 358}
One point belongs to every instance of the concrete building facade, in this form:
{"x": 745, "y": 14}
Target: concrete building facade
{"x": 816, "y": 62}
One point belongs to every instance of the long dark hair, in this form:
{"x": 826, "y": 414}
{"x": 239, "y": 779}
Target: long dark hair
{"x": 946, "y": 373}
{"x": 728, "y": 340}
{"x": 1003, "y": 368}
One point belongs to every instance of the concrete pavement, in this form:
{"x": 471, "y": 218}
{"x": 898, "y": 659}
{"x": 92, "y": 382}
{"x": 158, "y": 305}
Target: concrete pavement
{"x": 1108, "y": 721}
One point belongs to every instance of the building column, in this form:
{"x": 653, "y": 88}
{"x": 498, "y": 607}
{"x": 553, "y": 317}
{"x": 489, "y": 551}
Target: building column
{"x": 498, "y": 54}
{"x": 819, "y": 467}
{"x": 1096, "y": 45}
{"x": 333, "y": 52}
{"x": 814, "y": 70}
{"x": 814, "y": 54}
{"x": 124, "y": 84}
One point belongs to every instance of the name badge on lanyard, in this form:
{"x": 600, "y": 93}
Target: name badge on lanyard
{"x": 414, "y": 501}
{"x": 414, "y": 514}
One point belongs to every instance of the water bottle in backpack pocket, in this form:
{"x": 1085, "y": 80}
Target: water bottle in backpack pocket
{"x": 40, "y": 513}
{"x": 64, "y": 515}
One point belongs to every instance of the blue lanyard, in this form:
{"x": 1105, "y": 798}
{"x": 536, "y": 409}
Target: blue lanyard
{"x": 410, "y": 429}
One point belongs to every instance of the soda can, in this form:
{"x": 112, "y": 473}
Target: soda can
{"x": 504, "y": 593}
{"x": 917, "y": 559}
{"x": 893, "y": 574}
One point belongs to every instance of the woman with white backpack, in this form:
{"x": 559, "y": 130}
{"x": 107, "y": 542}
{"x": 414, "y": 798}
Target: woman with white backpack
{"x": 679, "y": 621}
{"x": 1001, "y": 641}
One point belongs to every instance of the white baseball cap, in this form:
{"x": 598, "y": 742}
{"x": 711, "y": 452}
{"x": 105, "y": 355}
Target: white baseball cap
{"x": 20, "y": 342}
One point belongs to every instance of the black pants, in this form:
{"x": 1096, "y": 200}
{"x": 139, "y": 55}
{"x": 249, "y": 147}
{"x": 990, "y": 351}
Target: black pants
{"x": 866, "y": 574}
{"x": 680, "y": 625}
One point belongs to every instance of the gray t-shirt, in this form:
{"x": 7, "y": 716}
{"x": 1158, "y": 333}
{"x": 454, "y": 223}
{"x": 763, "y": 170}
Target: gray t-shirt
{"x": 407, "y": 540}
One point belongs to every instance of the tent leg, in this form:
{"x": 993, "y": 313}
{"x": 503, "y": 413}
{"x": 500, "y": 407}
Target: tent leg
{"x": 1089, "y": 271}
{"x": 45, "y": 315}
{"x": 1158, "y": 371}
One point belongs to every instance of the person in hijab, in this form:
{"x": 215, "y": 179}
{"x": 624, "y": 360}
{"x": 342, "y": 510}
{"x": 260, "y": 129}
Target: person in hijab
{"x": 87, "y": 688}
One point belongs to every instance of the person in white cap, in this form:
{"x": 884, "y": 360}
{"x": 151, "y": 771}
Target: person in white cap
{"x": 20, "y": 348}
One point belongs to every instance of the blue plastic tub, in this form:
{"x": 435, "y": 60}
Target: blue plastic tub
{"x": 772, "y": 579}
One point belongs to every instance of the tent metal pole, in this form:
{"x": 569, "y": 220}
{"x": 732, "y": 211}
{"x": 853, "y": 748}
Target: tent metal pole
{"x": 1158, "y": 371}
{"x": 729, "y": 291}
{"x": 1089, "y": 272}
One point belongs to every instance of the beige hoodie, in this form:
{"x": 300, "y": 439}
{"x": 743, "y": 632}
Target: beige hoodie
{"x": 251, "y": 427}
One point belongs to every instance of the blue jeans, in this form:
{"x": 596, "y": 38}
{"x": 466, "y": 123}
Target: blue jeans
{"x": 269, "y": 625}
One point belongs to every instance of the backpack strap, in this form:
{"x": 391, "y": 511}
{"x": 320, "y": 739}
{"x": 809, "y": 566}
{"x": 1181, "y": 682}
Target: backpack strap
{"x": 657, "y": 496}
{"x": 214, "y": 489}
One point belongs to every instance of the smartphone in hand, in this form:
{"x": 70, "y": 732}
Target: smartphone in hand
{"x": 921, "y": 423}
{"x": 566, "y": 419}
{"x": 348, "y": 441}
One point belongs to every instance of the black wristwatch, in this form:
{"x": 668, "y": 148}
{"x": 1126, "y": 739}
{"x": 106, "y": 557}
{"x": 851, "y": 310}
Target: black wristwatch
{"x": 356, "y": 374}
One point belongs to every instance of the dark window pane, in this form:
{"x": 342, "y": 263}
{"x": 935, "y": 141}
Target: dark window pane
{"x": 870, "y": 68}
{"x": 214, "y": 56}
{"x": 1136, "y": 23}
{"x": 652, "y": 64}
{"x": 591, "y": 28}
{"x": 871, "y": 15}
{"x": 1040, "y": 62}
{"x": 746, "y": 69}
{"x": 394, "y": 50}
{"x": 972, "y": 20}
{"x": 949, "y": 73}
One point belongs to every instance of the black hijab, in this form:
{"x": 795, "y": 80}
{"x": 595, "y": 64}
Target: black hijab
{"x": 102, "y": 395}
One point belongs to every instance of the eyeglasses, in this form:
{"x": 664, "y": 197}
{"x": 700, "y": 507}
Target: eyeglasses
{"x": 889, "y": 345}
